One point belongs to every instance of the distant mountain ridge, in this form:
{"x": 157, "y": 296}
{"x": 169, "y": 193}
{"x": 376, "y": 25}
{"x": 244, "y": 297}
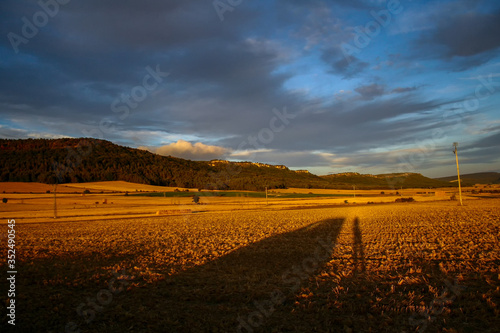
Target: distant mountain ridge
{"x": 392, "y": 180}
{"x": 474, "y": 178}
{"x": 87, "y": 160}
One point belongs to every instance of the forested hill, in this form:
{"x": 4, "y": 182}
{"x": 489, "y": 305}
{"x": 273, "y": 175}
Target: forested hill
{"x": 475, "y": 178}
{"x": 87, "y": 160}
{"x": 393, "y": 180}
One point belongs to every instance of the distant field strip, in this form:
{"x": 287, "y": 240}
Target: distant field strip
{"x": 231, "y": 194}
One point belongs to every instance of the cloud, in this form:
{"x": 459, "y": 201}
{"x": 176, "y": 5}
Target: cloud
{"x": 324, "y": 29}
{"x": 187, "y": 150}
{"x": 17, "y": 133}
{"x": 312, "y": 4}
{"x": 402, "y": 90}
{"x": 467, "y": 39}
{"x": 490, "y": 141}
{"x": 292, "y": 159}
{"x": 374, "y": 90}
{"x": 227, "y": 77}
{"x": 371, "y": 91}
{"x": 348, "y": 66}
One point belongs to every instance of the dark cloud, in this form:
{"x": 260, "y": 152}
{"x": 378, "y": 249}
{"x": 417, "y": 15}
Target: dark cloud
{"x": 371, "y": 91}
{"x": 226, "y": 77}
{"x": 374, "y": 90}
{"x": 91, "y": 53}
{"x": 356, "y": 4}
{"x": 489, "y": 141}
{"x": 343, "y": 64}
{"x": 323, "y": 29}
{"x": 353, "y": 126}
{"x": 402, "y": 90}
{"x": 469, "y": 39}
{"x": 481, "y": 151}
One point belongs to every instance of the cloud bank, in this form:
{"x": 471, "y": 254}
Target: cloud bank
{"x": 435, "y": 65}
{"x": 187, "y": 150}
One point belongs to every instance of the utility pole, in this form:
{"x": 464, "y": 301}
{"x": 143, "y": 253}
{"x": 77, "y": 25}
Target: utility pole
{"x": 267, "y": 202}
{"x": 455, "y": 151}
{"x": 55, "y": 201}
{"x": 354, "y": 188}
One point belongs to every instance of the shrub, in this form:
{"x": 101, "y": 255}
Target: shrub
{"x": 196, "y": 199}
{"x": 4, "y": 200}
{"x": 410, "y": 199}
{"x": 86, "y": 191}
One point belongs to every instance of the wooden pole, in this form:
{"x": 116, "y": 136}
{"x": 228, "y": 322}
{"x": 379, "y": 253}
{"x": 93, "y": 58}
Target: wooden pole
{"x": 55, "y": 201}
{"x": 458, "y": 173}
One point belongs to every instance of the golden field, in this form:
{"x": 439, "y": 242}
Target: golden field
{"x": 30, "y": 202}
{"x": 239, "y": 265}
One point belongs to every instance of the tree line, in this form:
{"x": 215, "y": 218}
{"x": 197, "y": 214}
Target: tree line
{"x": 38, "y": 160}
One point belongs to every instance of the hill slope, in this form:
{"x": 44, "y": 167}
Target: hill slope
{"x": 88, "y": 160}
{"x": 475, "y": 178}
{"x": 395, "y": 181}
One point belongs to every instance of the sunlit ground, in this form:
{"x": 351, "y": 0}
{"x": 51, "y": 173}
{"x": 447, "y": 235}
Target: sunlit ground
{"x": 422, "y": 266}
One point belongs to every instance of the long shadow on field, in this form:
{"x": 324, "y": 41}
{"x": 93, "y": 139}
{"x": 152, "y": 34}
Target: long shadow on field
{"x": 358, "y": 248}
{"x": 237, "y": 292}
{"x": 374, "y": 294}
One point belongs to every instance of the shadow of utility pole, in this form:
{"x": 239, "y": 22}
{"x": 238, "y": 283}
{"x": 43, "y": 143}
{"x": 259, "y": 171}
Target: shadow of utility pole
{"x": 240, "y": 291}
{"x": 358, "y": 248}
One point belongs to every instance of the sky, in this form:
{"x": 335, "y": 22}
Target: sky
{"x": 368, "y": 86}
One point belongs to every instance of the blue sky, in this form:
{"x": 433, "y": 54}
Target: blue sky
{"x": 329, "y": 86}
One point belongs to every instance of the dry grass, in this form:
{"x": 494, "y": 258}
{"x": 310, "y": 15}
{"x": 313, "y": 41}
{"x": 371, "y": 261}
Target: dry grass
{"x": 18, "y": 187}
{"x": 348, "y": 268}
{"x": 28, "y": 202}
{"x": 122, "y": 186}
